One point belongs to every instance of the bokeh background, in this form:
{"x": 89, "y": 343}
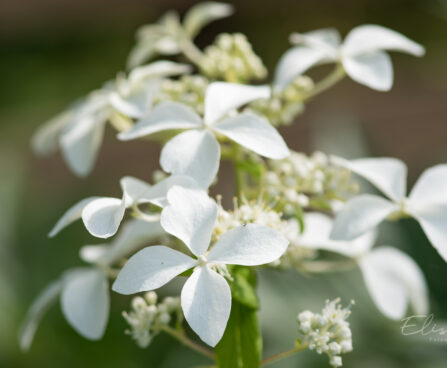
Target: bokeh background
{"x": 54, "y": 51}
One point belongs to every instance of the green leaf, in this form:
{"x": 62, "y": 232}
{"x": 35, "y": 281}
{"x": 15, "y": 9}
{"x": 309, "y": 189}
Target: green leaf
{"x": 241, "y": 345}
{"x": 243, "y": 286}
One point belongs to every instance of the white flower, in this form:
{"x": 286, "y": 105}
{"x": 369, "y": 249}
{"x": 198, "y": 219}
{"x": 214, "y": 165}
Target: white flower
{"x": 84, "y": 292}
{"x": 103, "y": 215}
{"x": 206, "y": 296}
{"x": 165, "y": 36}
{"x": 392, "y": 278}
{"x": 427, "y": 202}
{"x": 362, "y": 54}
{"x": 79, "y": 130}
{"x": 196, "y": 152}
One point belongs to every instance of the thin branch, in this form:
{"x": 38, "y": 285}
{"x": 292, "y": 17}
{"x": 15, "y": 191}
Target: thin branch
{"x": 284, "y": 354}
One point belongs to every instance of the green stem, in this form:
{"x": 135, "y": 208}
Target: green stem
{"x": 185, "y": 340}
{"x": 284, "y": 354}
{"x": 337, "y": 74}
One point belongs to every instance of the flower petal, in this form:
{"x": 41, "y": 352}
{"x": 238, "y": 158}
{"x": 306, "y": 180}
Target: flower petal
{"x": 370, "y": 37}
{"x": 393, "y": 279}
{"x": 71, "y": 215}
{"x": 296, "y": 62}
{"x": 431, "y": 186}
{"x": 158, "y": 192}
{"x": 433, "y": 220}
{"x": 46, "y": 139}
{"x": 374, "y": 70}
{"x": 317, "y": 228}
{"x": 359, "y": 215}
{"x": 195, "y": 153}
{"x": 42, "y": 303}
{"x": 206, "y": 304}
{"x": 166, "y": 116}
{"x": 325, "y": 38}
{"x": 81, "y": 140}
{"x": 221, "y": 97}
{"x": 389, "y": 175}
{"x": 151, "y": 268}
{"x": 103, "y": 216}
{"x": 190, "y": 216}
{"x": 203, "y": 13}
{"x": 85, "y": 302}
{"x": 254, "y": 133}
{"x": 157, "y": 69}
{"x": 133, "y": 189}
{"x": 249, "y": 245}
{"x": 133, "y": 235}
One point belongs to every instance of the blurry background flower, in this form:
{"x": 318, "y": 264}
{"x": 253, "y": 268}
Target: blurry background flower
{"x": 57, "y": 51}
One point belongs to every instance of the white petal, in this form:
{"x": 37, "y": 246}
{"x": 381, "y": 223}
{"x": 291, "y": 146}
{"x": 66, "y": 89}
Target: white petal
{"x": 374, "y": 70}
{"x": 203, "y": 13}
{"x": 151, "y": 268}
{"x": 326, "y": 38}
{"x": 103, "y": 216}
{"x": 81, "y": 140}
{"x": 72, "y": 214}
{"x": 85, "y": 302}
{"x": 370, "y": 38}
{"x": 254, "y": 133}
{"x": 39, "y": 307}
{"x": 195, "y": 153}
{"x": 133, "y": 189}
{"x": 157, "y": 193}
{"x": 317, "y": 229}
{"x": 138, "y": 101}
{"x": 389, "y": 175}
{"x": 133, "y": 235}
{"x": 166, "y": 116}
{"x": 431, "y": 186}
{"x": 206, "y": 304}
{"x": 249, "y": 245}
{"x": 433, "y": 219}
{"x": 190, "y": 216}
{"x": 46, "y": 139}
{"x": 393, "y": 279}
{"x": 359, "y": 215}
{"x": 162, "y": 68}
{"x": 221, "y": 97}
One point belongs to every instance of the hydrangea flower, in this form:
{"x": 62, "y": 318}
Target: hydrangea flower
{"x": 79, "y": 130}
{"x": 165, "y": 37}
{"x": 392, "y": 278}
{"x": 196, "y": 152}
{"x": 427, "y": 202}
{"x": 206, "y": 296}
{"x": 84, "y": 292}
{"x": 103, "y": 215}
{"x": 362, "y": 54}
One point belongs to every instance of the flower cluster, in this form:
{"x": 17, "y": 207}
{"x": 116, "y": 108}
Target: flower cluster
{"x": 327, "y": 332}
{"x": 147, "y": 318}
{"x": 232, "y": 58}
{"x": 205, "y": 111}
{"x": 302, "y": 181}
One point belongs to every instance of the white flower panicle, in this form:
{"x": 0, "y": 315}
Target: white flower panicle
{"x": 147, "y": 318}
{"x": 232, "y": 58}
{"x": 301, "y": 181}
{"x": 327, "y": 332}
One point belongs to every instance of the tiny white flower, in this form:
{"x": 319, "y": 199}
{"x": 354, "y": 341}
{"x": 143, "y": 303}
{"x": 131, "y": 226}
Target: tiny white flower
{"x": 79, "y": 130}
{"x": 84, "y": 292}
{"x": 206, "y": 296}
{"x": 103, "y": 215}
{"x": 362, "y": 54}
{"x": 196, "y": 152}
{"x": 427, "y": 202}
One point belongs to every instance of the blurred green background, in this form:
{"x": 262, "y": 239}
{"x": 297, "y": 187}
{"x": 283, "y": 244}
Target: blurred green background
{"x": 54, "y": 51}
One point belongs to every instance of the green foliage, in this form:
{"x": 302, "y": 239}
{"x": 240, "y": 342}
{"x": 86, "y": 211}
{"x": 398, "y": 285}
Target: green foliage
{"x": 241, "y": 345}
